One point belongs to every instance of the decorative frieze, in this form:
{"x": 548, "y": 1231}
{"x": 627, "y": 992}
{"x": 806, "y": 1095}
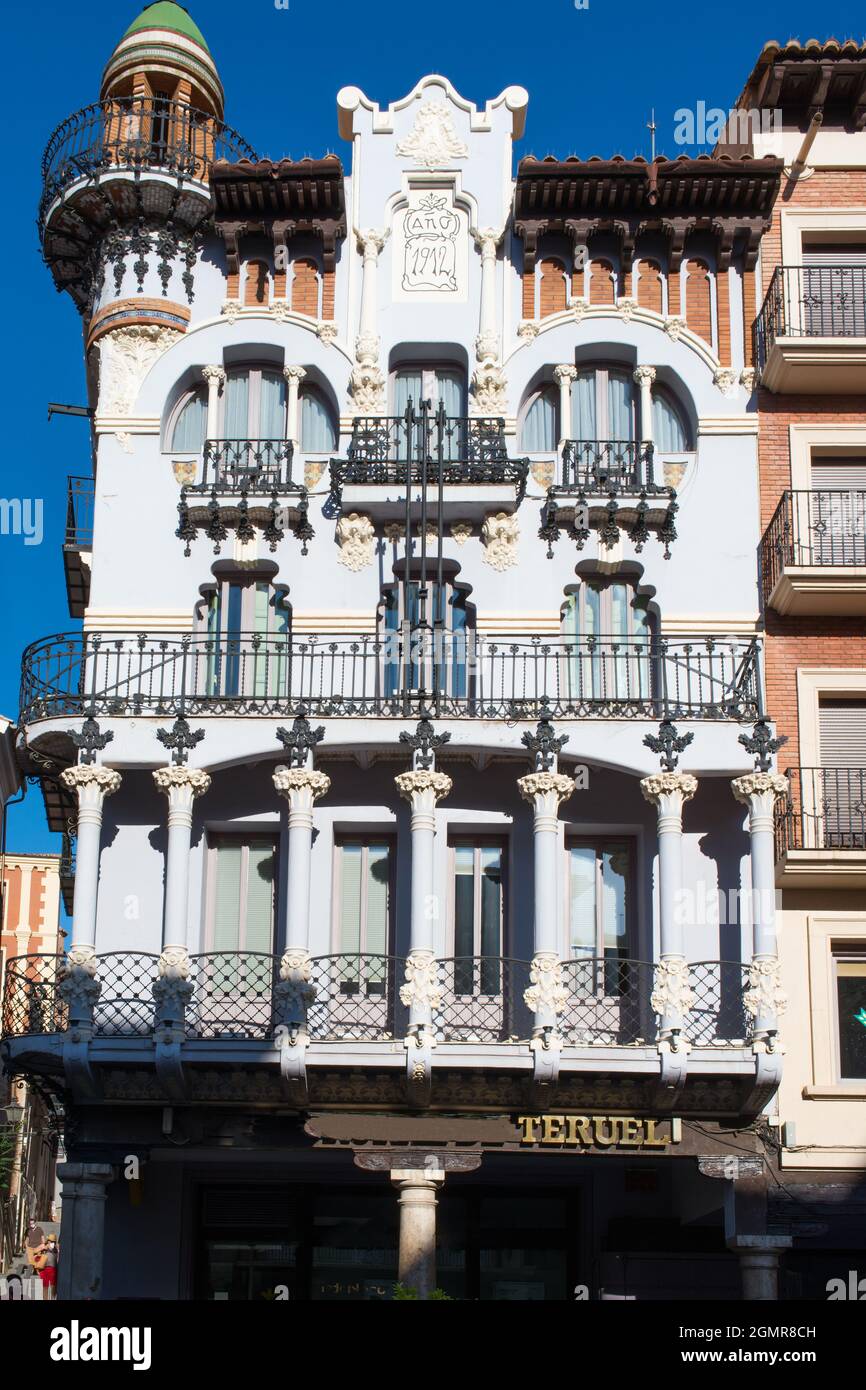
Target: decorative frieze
{"x": 126, "y": 355}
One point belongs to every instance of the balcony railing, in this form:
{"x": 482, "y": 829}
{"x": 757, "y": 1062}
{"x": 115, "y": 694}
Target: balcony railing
{"x": 455, "y": 674}
{"x": 607, "y": 465}
{"x": 356, "y": 998}
{"x": 811, "y": 302}
{"x": 136, "y": 133}
{"x": 79, "y": 512}
{"x": 825, "y": 809}
{"x": 814, "y": 529}
{"x": 389, "y": 449}
{"x": 255, "y": 466}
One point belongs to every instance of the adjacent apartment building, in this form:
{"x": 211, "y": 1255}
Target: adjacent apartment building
{"x": 414, "y": 730}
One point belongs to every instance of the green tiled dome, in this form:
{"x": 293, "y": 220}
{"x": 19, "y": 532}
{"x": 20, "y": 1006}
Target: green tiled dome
{"x": 166, "y": 15}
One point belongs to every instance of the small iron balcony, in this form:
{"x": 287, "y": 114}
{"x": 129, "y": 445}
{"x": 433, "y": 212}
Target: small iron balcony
{"x": 607, "y": 466}
{"x": 78, "y": 543}
{"x": 821, "y": 828}
{"x": 811, "y": 332}
{"x": 355, "y": 998}
{"x": 813, "y": 554}
{"x": 256, "y": 466}
{"x": 456, "y": 675}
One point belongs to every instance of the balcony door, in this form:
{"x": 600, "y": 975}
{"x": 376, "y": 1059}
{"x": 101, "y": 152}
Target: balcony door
{"x": 607, "y": 633}
{"x": 253, "y": 422}
{"x": 835, "y": 530}
{"x": 434, "y": 384}
{"x": 434, "y": 658}
{"x": 834, "y": 289}
{"x": 234, "y": 981}
{"x": 248, "y": 632}
{"x": 840, "y": 793}
{"x": 603, "y": 405}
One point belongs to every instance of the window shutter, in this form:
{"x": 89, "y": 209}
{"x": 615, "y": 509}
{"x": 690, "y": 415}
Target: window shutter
{"x": 842, "y": 727}
{"x": 834, "y": 253}
{"x": 582, "y": 901}
{"x": 377, "y": 900}
{"x": 258, "y": 935}
{"x": 350, "y": 899}
{"x": 227, "y": 907}
{"x": 839, "y": 474}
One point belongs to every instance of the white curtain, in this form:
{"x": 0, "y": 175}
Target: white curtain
{"x": 540, "y": 426}
{"x": 449, "y": 388}
{"x": 190, "y": 427}
{"x": 669, "y": 436}
{"x": 272, "y": 406}
{"x": 620, "y": 406}
{"x": 317, "y": 426}
{"x": 583, "y": 406}
{"x": 407, "y": 386}
{"x": 236, "y": 424}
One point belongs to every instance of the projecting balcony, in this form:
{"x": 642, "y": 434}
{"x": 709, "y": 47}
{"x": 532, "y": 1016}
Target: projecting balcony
{"x": 608, "y": 485}
{"x": 813, "y": 555}
{"x": 463, "y": 458}
{"x": 455, "y": 675}
{"x": 821, "y": 830}
{"x": 810, "y": 335}
{"x": 78, "y": 543}
{"x": 156, "y": 144}
{"x": 241, "y": 484}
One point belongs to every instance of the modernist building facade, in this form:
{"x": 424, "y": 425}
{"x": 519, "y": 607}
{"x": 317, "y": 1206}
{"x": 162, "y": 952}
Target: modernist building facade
{"x": 414, "y": 734}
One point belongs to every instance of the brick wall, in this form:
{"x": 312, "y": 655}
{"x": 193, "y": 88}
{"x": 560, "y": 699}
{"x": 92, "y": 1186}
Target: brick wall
{"x": 305, "y": 288}
{"x": 553, "y": 291}
{"x": 794, "y": 642}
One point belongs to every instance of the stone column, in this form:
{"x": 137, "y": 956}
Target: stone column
{"x": 416, "y": 1266}
{"x": 759, "y": 1265}
{"x": 79, "y": 1273}
{"x": 91, "y": 783}
{"x": 764, "y": 999}
{"x": 545, "y": 792}
{"x": 301, "y": 788}
{"x": 671, "y": 997}
{"x": 566, "y": 376}
{"x": 487, "y": 342}
{"x": 644, "y": 378}
{"x": 294, "y": 376}
{"x": 214, "y": 376}
{"x": 181, "y": 785}
{"x": 422, "y": 788}
{"x": 368, "y": 380}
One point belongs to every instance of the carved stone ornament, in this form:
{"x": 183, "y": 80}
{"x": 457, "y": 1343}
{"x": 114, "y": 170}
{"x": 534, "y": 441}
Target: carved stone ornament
{"x": 124, "y": 439}
{"x": 297, "y": 783}
{"x": 356, "y": 538}
{"x": 78, "y": 986}
{"x": 174, "y": 963}
{"x": 674, "y": 327}
{"x": 554, "y": 786}
{"x": 126, "y": 355}
{"x": 672, "y": 994}
{"x": 489, "y": 390}
{"x": 280, "y": 310}
{"x": 579, "y": 309}
{"x": 727, "y": 380}
{"x": 668, "y": 784}
{"x": 461, "y": 531}
{"x": 421, "y": 782}
{"x": 626, "y": 307}
{"x": 546, "y": 990}
{"x": 764, "y": 994}
{"x": 327, "y": 332}
{"x": 91, "y": 781}
{"x": 749, "y": 379}
{"x": 759, "y": 783}
{"x": 528, "y": 330}
{"x": 499, "y": 536}
{"x": 188, "y": 782}
{"x": 231, "y": 308}
{"x": 367, "y": 385}
{"x": 423, "y": 987}
{"x": 487, "y": 346}
{"x": 294, "y": 993}
{"x": 433, "y": 140}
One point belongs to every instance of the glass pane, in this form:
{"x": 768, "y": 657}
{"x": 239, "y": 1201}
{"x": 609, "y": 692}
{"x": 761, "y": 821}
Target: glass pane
{"x": 236, "y": 415}
{"x": 317, "y": 427}
{"x": 851, "y": 999}
{"x": 449, "y": 388}
{"x": 620, "y": 410}
{"x": 272, "y": 406}
{"x": 464, "y": 901}
{"x": 614, "y": 913}
{"x": 354, "y": 1255}
{"x": 582, "y": 901}
{"x": 350, "y": 900}
{"x": 258, "y": 935}
{"x": 377, "y": 914}
{"x": 669, "y": 436}
{"x": 227, "y": 907}
{"x": 583, "y": 406}
{"x": 539, "y": 425}
{"x": 491, "y": 902}
{"x": 190, "y": 427}
{"x": 407, "y": 386}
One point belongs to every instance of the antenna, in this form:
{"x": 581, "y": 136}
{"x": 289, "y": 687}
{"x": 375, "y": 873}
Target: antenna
{"x": 652, "y": 128}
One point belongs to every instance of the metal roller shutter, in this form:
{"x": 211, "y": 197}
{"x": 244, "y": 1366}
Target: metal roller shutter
{"x": 836, "y": 508}
{"x": 834, "y": 289}
{"x": 842, "y": 778}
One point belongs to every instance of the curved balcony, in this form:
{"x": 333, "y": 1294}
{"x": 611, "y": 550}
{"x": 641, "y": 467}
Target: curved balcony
{"x": 456, "y": 675}
{"x": 355, "y": 998}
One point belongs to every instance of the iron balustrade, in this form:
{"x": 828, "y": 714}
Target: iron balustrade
{"x": 355, "y": 997}
{"x": 813, "y": 528}
{"x": 79, "y": 512}
{"x": 810, "y": 302}
{"x": 136, "y": 133}
{"x": 256, "y": 466}
{"x": 459, "y": 675}
{"x": 389, "y": 449}
{"x": 825, "y": 809}
{"x": 607, "y": 465}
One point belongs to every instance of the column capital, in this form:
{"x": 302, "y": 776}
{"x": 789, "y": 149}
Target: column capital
{"x": 85, "y": 1175}
{"x": 423, "y": 782}
{"x": 294, "y": 373}
{"x": 423, "y": 1181}
{"x": 179, "y": 778}
{"x": 92, "y": 783}
{"x": 565, "y": 372}
{"x": 301, "y": 787}
{"x": 644, "y": 375}
{"x": 487, "y": 239}
{"x": 661, "y": 786}
{"x": 759, "y": 784}
{"x": 551, "y": 786}
{"x": 214, "y": 375}
{"x": 371, "y": 241}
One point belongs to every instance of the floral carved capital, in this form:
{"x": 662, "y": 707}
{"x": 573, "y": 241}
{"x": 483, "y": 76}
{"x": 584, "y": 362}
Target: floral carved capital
{"x": 92, "y": 778}
{"x": 292, "y": 781}
{"x": 672, "y": 993}
{"x": 193, "y": 779}
{"x": 760, "y": 784}
{"x": 553, "y": 785}
{"x": 356, "y": 538}
{"x": 668, "y": 784}
{"x": 499, "y": 536}
{"x": 546, "y": 990}
{"x": 412, "y": 784}
{"x": 423, "y": 987}
{"x": 764, "y": 995}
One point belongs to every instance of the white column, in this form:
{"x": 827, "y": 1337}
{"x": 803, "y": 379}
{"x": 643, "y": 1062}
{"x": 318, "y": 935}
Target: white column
{"x": 422, "y": 788}
{"x": 759, "y": 1265}
{"x": 672, "y": 997}
{"x": 92, "y": 783}
{"x": 370, "y": 242}
{"x": 487, "y": 342}
{"x": 79, "y": 1273}
{"x": 301, "y": 788}
{"x": 545, "y": 792}
{"x": 181, "y": 785}
{"x": 644, "y": 378}
{"x": 214, "y": 376}
{"x": 764, "y": 999}
{"x": 565, "y": 375}
{"x": 417, "y": 1249}
{"x": 294, "y": 376}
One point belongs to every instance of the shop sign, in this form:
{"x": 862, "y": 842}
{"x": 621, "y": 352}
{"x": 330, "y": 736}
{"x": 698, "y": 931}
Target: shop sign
{"x": 597, "y": 1132}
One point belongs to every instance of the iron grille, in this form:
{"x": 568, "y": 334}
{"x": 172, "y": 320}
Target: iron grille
{"x": 825, "y": 809}
{"x": 811, "y": 302}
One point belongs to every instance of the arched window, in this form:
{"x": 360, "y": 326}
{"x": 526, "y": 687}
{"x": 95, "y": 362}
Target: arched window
{"x": 540, "y": 434}
{"x": 607, "y": 631}
{"x": 670, "y": 434}
{"x": 189, "y": 428}
{"x": 318, "y": 432}
{"x": 439, "y": 662}
{"x": 434, "y": 384}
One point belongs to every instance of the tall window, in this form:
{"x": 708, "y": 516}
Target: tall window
{"x": 541, "y": 423}
{"x": 603, "y": 404}
{"x": 241, "y": 903}
{"x": 600, "y": 908}
{"x": 318, "y": 433}
{"x": 254, "y": 404}
{"x": 247, "y": 624}
{"x": 478, "y": 873}
{"x": 438, "y": 654}
{"x": 608, "y": 634}
{"x": 363, "y": 897}
{"x": 850, "y": 972}
{"x": 670, "y": 435}
{"x": 433, "y": 384}
{"x": 190, "y": 425}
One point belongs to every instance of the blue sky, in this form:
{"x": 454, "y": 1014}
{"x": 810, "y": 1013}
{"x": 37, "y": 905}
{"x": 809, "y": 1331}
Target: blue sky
{"x": 593, "y": 78}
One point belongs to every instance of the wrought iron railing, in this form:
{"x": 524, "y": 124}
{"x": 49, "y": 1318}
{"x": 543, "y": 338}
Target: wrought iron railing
{"x": 388, "y": 449}
{"x": 811, "y": 302}
{"x": 355, "y": 997}
{"x": 79, "y": 512}
{"x": 825, "y": 809}
{"x": 255, "y": 466}
{"x": 137, "y": 133}
{"x": 461, "y": 676}
{"x": 814, "y": 528}
{"x": 607, "y": 465}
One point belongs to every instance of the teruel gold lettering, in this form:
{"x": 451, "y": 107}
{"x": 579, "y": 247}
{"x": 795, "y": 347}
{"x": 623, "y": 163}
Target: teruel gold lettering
{"x": 651, "y": 1142}
{"x": 632, "y": 1133}
{"x": 527, "y": 1124}
{"x": 605, "y": 1140}
{"x": 579, "y": 1130}
{"x": 552, "y": 1129}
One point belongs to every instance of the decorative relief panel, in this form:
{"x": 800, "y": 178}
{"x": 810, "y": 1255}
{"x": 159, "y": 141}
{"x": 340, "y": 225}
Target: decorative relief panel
{"x": 430, "y": 247}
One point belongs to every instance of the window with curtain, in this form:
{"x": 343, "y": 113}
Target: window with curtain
{"x": 603, "y": 405}
{"x": 417, "y": 383}
{"x": 254, "y": 404}
{"x": 190, "y": 425}
{"x": 238, "y": 611}
{"x": 318, "y": 434}
{"x": 478, "y": 878}
{"x": 442, "y": 667}
{"x": 241, "y": 911}
{"x": 600, "y": 910}
{"x": 363, "y": 896}
{"x": 608, "y": 633}
{"x": 540, "y": 433}
{"x": 670, "y": 435}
